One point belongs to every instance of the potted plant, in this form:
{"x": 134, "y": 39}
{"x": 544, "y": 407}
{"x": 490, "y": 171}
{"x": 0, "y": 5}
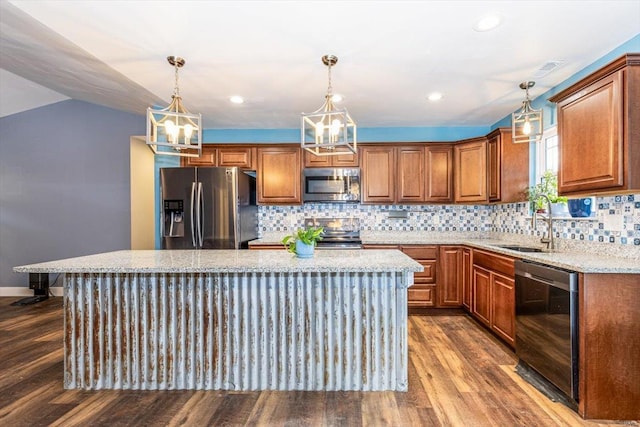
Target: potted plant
{"x": 547, "y": 186}
{"x": 303, "y": 241}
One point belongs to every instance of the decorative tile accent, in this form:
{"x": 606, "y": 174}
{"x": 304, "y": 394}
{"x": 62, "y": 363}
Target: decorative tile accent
{"x": 616, "y": 220}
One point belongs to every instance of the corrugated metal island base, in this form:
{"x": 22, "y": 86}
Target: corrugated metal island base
{"x": 235, "y": 320}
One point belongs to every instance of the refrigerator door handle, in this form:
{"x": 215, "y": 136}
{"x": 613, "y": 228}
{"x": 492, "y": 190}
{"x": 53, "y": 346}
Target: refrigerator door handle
{"x": 200, "y": 215}
{"x": 193, "y": 196}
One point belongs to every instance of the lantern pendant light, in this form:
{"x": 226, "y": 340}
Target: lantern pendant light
{"x": 329, "y": 130}
{"x": 174, "y": 131}
{"x": 526, "y": 124}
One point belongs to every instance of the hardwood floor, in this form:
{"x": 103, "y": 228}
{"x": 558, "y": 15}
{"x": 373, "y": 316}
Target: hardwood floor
{"x": 459, "y": 375}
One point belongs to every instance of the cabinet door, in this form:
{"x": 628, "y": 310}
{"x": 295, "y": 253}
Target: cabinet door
{"x": 590, "y": 130}
{"x": 450, "y": 277}
{"x": 378, "y": 168}
{"x": 410, "y": 174}
{"x": 345, "y": 160}
{"x": 242, "y": 157}
{"x": 207, "y": 158}
{"x": 471, "y": 171}
{"x": 439, "y": 174}
{"x": 279, "y": 178}
{"x": 313, "y": 161}
{"x": 494, "y": 159}
{"x": 480, "y": 305}
{"x": 503, "y": 312}
{"x": 467, "y": 262}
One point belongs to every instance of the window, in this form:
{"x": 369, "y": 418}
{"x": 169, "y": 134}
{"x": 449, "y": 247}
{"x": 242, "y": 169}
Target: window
{"x": 547, "y": 153}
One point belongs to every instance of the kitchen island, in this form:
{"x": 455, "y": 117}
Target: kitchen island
{"x": 235, "y": 320}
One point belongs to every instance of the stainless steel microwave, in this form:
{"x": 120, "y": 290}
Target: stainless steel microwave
{"x": 331, "y": 185}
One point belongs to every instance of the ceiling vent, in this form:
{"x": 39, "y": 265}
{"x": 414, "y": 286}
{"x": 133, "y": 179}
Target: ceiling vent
{"x": 546, "y": 68}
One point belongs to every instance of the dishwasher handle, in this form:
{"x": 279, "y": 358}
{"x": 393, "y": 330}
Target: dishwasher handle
{"x": 552, "y": 276}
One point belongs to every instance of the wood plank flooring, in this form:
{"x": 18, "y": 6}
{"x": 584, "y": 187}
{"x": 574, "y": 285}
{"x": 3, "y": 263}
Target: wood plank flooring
{"x": 459, "y": 375}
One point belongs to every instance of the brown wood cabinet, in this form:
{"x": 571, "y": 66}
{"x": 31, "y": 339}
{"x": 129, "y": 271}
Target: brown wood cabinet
{"x": 450, "y": 276}
{"x": 599, "y": 130}
{"x": 470, "y": 170}
{"x": 410, "y": 174}
{"x": 344, "y": 160}
{"x": 423, "y": 292}
{"x": 278, "y": 175}
{"x": 467, "y": 279}
{"x": 377, "y": 174}
{"x": 208, "y": 157}
{"x": 439, "y": 174}
{"x": 242, "y": 157}
{"x": 609, "y": 361}
{"x": 508, "y": 167}
{"x": 223, "y": 155}
{"x": 493, "y": 294}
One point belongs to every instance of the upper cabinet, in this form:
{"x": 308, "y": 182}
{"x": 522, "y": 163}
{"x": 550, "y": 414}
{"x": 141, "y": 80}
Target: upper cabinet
{"x": 438, "y": 173}
{"x": 599, "y": 130}
{"x": 208, "y": 157}
{"x": 491, "y": 169}
{"x": 508, "y": 167}
{"x": 278, "y": 175}
{"x": 377, "y": 174}
{"x": 470, "y": 166}
{"x": 343, "y": 160}
{"x": 223, "y": 155}
{"x": 410, "y": 174}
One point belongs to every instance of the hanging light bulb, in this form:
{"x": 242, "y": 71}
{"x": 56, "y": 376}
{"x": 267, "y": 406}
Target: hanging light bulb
{"x": 328, "y": 131}
{"x": 171, "y": 130}
{"x": 526, "y": 124}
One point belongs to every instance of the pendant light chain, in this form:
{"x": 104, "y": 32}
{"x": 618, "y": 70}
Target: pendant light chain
{"x": 176, "y": 89}
{"x": 329, "y": 89}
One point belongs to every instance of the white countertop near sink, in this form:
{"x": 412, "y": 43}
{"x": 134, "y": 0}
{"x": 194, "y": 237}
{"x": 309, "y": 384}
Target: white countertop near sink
{"x": 584, "y": 257}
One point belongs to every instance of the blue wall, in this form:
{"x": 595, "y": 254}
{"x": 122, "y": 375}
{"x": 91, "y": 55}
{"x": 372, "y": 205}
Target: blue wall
{"x": 64, "y": 184}
{"x": 549, "y": 108}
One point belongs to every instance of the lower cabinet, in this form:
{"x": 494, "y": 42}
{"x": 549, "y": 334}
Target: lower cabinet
{"x": 441, "y": 283}
{"x": 450, "y": 276}
{"x": 423, "y": 293}
{"x": 467, "y": 279}
{"x": 493, "y": 294}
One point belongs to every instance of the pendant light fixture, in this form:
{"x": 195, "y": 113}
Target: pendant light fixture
{"x": 328, "y": 131}
{"x": 526, "y": 124}
{"x": 174, "y": 131}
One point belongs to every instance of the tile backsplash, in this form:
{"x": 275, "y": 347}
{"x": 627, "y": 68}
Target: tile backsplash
{"x": 616, "y": 220}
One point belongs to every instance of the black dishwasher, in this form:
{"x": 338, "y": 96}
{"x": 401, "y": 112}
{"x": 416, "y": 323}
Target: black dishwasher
{"x": 547, "y": 324}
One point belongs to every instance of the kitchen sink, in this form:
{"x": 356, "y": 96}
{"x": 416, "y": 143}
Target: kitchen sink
{"x": 521, "y": 248}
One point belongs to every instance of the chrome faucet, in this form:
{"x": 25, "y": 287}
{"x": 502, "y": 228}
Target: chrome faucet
{"x": 549, "y": 220}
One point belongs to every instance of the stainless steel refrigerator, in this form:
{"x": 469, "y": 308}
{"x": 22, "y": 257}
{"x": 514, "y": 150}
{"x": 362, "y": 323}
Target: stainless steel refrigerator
{"x": 207, "y": 208}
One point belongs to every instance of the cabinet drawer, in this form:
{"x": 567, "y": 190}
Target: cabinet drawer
{"x": 424, "y": 296}
{"x": 428, "y": 275}
{"x": 421, "y": 252}
{"x": 494, "y": 262}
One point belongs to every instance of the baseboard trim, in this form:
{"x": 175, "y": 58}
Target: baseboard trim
{"x": 21, "y": 291}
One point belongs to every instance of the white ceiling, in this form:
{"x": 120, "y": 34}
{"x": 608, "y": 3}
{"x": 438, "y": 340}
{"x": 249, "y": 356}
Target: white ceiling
{"x": 392, "y": 54}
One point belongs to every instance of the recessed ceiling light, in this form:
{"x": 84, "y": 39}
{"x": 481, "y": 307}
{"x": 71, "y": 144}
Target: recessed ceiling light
{"x": 337, "y": 97}
{"x": 487, "y": 22}
{"x": 435, "y": 96}
{"x": 236, "y": 99}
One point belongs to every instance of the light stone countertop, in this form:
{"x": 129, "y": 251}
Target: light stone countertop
{"x": 228, "y": 261}
{"x": 582, "y": 257}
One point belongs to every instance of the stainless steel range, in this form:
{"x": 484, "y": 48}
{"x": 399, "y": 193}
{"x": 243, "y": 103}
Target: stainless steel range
{"x": 339, "y": 233}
